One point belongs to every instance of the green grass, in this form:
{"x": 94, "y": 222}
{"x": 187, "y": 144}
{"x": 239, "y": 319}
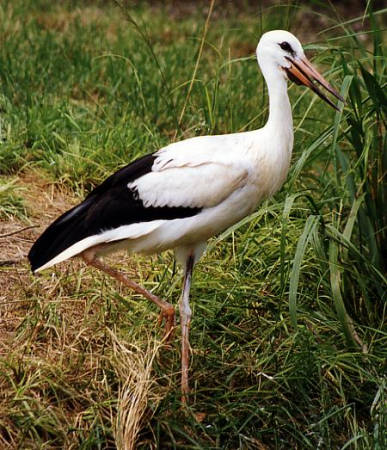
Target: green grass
{"x": 11, "y": 199}
{"x": 289, "y": 329}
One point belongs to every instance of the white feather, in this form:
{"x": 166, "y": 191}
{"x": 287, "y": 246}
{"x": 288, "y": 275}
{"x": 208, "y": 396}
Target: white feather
{"x": 198, "y": 172}
{"x": 133, "y": 231}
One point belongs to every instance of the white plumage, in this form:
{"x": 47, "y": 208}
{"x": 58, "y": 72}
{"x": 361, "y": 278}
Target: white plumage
{"x": 187, "y": 191}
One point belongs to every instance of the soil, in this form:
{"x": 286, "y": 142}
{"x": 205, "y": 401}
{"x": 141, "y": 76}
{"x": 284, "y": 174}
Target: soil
{"x": 44, "y": 203}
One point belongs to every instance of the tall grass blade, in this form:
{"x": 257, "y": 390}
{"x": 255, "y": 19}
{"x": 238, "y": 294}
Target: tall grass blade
{"x": 336, "y": 125}
{"x": 310, "y": 225}
{"x": 289, "y": 201}
{"x": 203, "y": 40}
{"x": 335, "y": 278}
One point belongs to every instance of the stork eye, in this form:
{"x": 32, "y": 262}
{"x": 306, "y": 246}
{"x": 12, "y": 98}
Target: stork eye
{"x": 286, "y": 46}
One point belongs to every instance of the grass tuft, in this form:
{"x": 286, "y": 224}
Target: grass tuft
{"x": 134, "y": 367}
{"x": 11, "y": 199}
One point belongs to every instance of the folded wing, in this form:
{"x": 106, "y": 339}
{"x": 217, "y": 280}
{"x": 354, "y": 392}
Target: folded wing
{"x": 167, "y": 185}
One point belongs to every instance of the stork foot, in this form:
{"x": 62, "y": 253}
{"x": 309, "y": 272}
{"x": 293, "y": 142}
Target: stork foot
{"x": 167, "y": 315}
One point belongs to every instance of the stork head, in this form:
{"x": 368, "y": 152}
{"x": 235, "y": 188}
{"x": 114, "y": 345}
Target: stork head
{"x": 281, "y": 52}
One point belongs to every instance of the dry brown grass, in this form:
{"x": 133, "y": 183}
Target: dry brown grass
{"x": 60, "y": 20}
{"x": 43, "y": 204}
{"x": 134, "y": 367}
{"x": 65, "y": 374}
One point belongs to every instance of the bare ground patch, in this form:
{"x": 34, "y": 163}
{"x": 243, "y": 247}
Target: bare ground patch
{"x": 63, "y": 362}
{"x": 43, "y": 203}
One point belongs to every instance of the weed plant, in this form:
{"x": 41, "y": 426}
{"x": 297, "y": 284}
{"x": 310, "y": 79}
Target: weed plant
{"x": 289, "y": 331}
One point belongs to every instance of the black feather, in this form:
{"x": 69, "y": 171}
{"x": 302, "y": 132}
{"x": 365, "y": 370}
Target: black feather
{"x": 110, "y": 205}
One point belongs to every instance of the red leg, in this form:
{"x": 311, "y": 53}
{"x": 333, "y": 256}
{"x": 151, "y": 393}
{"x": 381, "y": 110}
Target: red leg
{"x": 167, "y": 310}
{"x": 185, "y": 320}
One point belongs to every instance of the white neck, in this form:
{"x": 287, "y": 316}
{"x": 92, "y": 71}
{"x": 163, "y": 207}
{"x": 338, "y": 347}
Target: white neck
{"x": 280, "y": 111}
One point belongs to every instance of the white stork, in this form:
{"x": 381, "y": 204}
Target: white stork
{"x": 188, "y": 191}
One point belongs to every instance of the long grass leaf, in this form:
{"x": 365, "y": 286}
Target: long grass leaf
{"x": 310, "y": 224}
{"x": 336, "y": 125}
{"x": 205, "y": 30}
{"x": 285, "y": 218}
{"x": 335, "y": 278}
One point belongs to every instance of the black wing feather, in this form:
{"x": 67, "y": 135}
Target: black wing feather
{"x": 110, "y": 205}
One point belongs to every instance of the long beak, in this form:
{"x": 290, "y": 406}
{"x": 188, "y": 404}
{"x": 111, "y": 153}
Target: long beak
{"x": 301, "y": 71}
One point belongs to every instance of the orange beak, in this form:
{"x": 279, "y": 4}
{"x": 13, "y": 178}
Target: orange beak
{"x": 301, "y": 71}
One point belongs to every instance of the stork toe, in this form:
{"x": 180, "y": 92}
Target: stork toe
{"x": 167, "y": 315}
